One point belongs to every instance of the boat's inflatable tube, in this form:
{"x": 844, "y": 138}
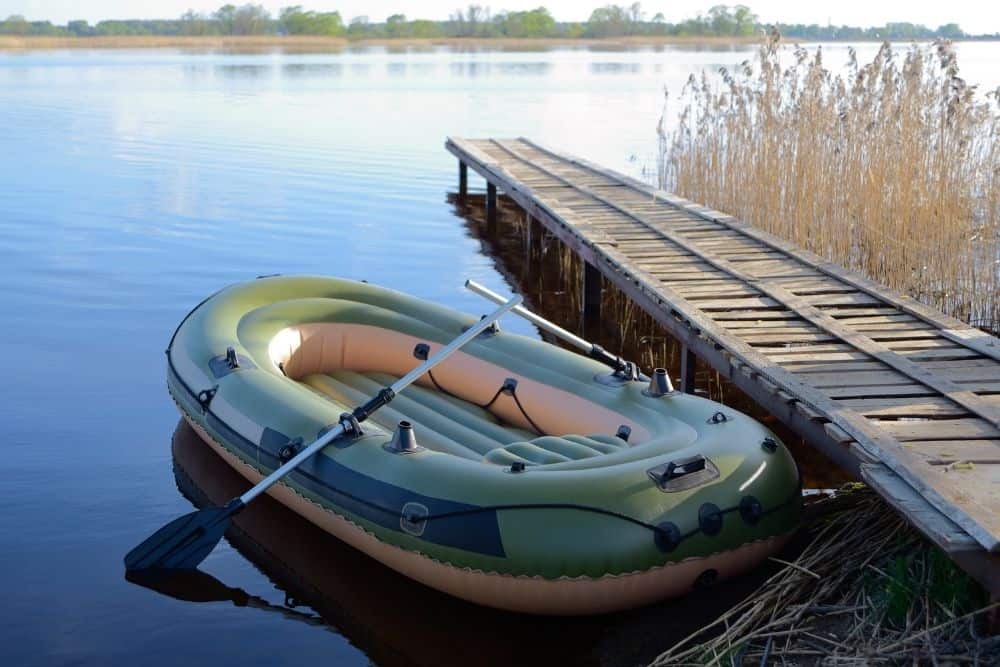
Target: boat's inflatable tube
{"x": 526, "y": 478}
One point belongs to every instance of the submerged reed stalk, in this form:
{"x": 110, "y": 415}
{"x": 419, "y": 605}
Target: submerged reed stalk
{"x": 891, "y": 169}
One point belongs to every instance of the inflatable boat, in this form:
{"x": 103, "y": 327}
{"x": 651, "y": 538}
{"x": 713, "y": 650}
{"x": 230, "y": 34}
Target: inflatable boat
{"x": 516, "y": 474}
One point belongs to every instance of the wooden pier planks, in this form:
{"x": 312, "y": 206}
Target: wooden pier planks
{"x": 886, "y": 385}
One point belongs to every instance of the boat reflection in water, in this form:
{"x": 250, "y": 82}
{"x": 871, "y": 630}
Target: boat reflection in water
{"x": 393, "y": 619}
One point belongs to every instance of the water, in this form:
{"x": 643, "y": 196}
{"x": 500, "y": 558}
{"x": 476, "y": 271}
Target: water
{"x": 134, "y": 183}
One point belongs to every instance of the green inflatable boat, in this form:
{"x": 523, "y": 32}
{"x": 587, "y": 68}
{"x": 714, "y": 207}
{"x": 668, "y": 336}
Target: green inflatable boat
{"x": 516, "y": 474}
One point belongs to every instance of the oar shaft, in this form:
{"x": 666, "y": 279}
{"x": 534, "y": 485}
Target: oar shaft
{"x": 594, "y": 351}
{"x": 269, "y": 481}
{"x": 382, "y": 398}
{"x": 541, "y": 323}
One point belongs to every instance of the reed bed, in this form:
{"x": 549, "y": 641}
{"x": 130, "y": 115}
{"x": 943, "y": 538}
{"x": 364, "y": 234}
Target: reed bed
{"x": 867, "y": 590}
{"x": 890, "y": 168}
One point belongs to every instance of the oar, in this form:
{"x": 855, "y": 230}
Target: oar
{"x": 626, "y": 369}
{"x": 184, "y": 542}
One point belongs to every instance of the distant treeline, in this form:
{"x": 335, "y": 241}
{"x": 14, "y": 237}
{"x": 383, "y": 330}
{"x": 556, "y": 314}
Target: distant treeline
{"x": 475, "y": 21}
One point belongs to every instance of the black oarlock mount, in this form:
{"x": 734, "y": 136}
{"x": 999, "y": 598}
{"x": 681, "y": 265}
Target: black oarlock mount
{"x": 622, "y": 370}
{"x": 288, "y": 451}
{"x": 351, "y": 424}
{"x": 492, "y": 330}
{"x": 659, "y": 384}
{"x": 403, "y": 440}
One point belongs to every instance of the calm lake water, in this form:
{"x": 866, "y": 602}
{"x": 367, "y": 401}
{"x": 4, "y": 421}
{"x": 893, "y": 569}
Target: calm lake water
{"x": 133, "y": 184}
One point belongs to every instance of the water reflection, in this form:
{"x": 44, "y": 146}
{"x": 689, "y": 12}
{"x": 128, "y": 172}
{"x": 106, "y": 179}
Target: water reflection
{"x": 521, "y": 69}
{"x": 396, "y": 69}
{"x": 615, "y": 68}
{"x": 312, "y": 69}
{"x": 470, "y": 69}
{"x": 392, "y": 619}
{"x": 244, "y": 71}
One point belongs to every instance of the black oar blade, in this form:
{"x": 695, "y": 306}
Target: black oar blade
{"x": 183, "y": 543}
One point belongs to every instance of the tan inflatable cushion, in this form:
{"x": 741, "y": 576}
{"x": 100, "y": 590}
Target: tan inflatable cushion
{"x": 451, "y": 425}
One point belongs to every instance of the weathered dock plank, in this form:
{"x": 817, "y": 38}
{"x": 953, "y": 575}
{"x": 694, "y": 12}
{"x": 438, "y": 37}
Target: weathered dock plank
{"x": 872, "y": 377}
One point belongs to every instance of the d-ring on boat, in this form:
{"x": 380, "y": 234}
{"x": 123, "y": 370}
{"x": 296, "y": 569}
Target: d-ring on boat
{"x": 515, "y": 474}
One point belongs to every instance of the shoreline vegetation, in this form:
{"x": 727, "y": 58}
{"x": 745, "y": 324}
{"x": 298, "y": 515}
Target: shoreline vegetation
{"x": 320, "y": 42}
{"x": 890, "y": 169}
{"x": 252, "y": 26}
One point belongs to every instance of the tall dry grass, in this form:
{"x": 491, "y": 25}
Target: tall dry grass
{"x": 890, "y": 168}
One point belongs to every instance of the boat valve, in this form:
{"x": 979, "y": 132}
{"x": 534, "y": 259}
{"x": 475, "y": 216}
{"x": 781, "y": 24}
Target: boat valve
{"x": 403, "y": 441}
{"x": 659, "y": 384}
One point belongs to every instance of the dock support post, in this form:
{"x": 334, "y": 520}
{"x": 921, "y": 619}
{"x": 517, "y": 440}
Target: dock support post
{"x": 463, "y": 180}
{"x": 491, "y": 209}
{"x": 687, "y": 370}
{"x": 591, "y": 298}
{"x": 529, "y": 223}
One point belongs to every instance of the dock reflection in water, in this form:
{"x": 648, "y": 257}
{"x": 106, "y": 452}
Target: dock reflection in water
{"x": 394, "y": 620}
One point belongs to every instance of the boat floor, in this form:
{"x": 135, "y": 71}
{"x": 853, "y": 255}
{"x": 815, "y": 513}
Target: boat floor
{"x": 452, "y": 425}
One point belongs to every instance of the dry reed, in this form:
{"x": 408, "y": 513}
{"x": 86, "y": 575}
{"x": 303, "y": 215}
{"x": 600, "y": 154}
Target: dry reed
{"x": 866, "y": 590}
{"x": 892, "y": 168}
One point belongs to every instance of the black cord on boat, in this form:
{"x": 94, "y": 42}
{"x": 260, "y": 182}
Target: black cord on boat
{"x": 513, "y": 394}
{"x": 505, "y": 388}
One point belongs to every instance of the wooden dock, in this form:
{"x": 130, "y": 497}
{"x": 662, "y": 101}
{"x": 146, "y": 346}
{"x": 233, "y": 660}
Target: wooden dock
{"x": 901, "y": 395}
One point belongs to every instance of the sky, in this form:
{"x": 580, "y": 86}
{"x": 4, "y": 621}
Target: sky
{"x": 974, "y": 16}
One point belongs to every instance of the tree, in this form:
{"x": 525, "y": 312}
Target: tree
{"x": 193, "y": 23}
{"x": 226, "y": 17}
{"x": 395, "y": 26}
{"x": 359, "y": 27}
{"x": 16, "y": 25}
{"x": 534, "y": 23}
{"x": 635, "y": 13}
{"x": 608, "y": 21}
{"x": 950, "y": 31}
{"x": 721, "y": 20}
{"x": 80, "y": 28}
{"x": 746, "y": 21}
{"x": 295, "y": 21}
{"x": 250, "y": 20}
{"x": 471, "y": 23}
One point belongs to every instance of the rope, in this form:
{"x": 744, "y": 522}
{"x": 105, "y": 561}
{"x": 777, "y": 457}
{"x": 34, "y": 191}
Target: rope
{"x": 487, "y": 405}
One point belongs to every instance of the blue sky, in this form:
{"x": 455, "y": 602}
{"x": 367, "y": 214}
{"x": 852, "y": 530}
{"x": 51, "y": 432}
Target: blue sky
{"x": 972, "y": 16}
